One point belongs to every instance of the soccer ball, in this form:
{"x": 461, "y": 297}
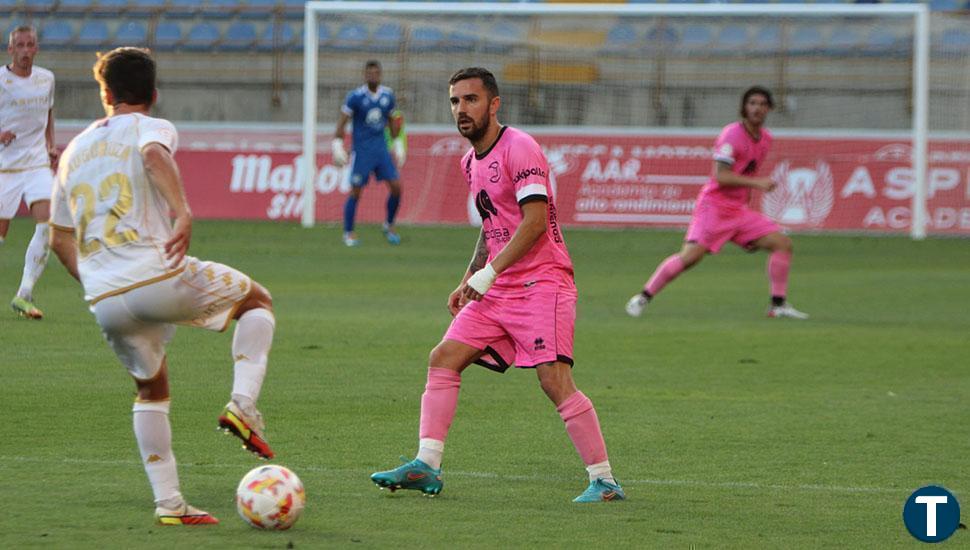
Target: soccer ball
{"x": 270, "y": 497}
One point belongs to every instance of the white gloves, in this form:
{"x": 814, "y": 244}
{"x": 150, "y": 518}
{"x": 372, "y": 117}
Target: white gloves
{"x": 399, "y": 154}
{"x": 482, "y": 279}
{"x": 339, "y": 153}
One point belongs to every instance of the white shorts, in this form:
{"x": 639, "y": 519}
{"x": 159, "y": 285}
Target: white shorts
{"x": 140, "y": 322}
{"x": 29, "y": 185}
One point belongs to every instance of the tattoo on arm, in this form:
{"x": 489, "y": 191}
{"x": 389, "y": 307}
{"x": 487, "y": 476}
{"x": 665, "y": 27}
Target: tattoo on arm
{"x": 480, "y": 257}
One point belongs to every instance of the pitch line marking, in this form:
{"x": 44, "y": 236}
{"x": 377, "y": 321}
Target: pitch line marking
{"x": 492, "y": 475}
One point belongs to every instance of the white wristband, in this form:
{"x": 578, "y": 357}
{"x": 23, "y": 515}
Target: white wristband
{"x": 482, "y": 279}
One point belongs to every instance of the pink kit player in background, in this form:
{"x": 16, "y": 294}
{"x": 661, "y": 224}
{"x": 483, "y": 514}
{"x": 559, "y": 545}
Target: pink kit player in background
{"x": 722, "y": 213}
{"x": 516, "y": 303}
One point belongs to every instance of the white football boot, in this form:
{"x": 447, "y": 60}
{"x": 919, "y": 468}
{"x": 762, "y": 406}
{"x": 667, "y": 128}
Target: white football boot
{"x": 636, "y": 305}
{"x": 786, "y": 310}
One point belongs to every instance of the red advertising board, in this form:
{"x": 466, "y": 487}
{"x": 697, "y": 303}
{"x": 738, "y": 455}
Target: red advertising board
{"x": 830, "y": 183}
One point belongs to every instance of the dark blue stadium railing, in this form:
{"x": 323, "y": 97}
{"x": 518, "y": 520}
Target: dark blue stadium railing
{"x": 249, "y": 25}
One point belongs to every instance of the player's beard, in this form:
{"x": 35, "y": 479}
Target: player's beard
{"x": 477, "y": 130}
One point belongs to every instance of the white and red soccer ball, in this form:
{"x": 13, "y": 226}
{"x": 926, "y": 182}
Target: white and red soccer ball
{"x": 270, "y": 497}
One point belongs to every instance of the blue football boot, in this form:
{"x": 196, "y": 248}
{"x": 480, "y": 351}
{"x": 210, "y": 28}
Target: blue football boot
{"x": 414, "y": 475}
{"x": 601, "y": 491}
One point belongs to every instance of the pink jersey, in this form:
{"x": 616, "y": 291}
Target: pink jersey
{"x": 515, "y": 171}
{"x": 736, "y": 147}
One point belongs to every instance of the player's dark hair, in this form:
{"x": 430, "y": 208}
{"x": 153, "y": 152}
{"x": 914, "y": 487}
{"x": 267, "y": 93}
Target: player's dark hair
{"x": 129, "y": 73}
{"x": 756, "y": 90}
{"x": 486, "y": 76}
{"x": 372, "y": 63}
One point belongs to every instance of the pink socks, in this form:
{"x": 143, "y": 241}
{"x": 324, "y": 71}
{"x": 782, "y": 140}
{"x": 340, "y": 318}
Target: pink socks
{"x": 667, "y": 271}
{"x": 583, "y": 428}
{"x": 779, "y": 264}
{"x": 438, "y": 403}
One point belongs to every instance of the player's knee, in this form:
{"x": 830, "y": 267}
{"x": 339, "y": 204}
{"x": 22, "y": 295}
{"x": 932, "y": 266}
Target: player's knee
{"x": 441, "y": 357}
{"x": 785, "y": 244}
{"x": 154, "y": 389}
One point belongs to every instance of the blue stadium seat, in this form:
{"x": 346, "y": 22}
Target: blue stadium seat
{"x": 109, "y": 8}
{"x": 35, "y": 6}
{"x": 183, "y": 8}
{"x": 55, "y": 34}
{"x": 424, "y": 39}
{"x": 464, "y": 38}
{"x": 946, "y": 5}
{"x": 286, "y": 37}
{"x": 131, "y": 33}
{"x": 503, "y": 36}
{"x": 168, "y": 36}
{"x": 240, "y": 36}
{"x": 955, "y": 41}
{"x": 350, "y": 36}
{"x": 695, "y": 37}
{"x": 75, "y": 7}
{"x": 202, "y": 36}
{"x": 661, "y": 38}
{"x": 92, "y": 35}
{"x": 146, "y": 7}
{"x": 804, "y": 39}
{"x": 767, "y": 38}
{"x": 844, "y": 40}
{"x": 387, "y": 37}
{"x": 293, "y": 9}
{"x": 621, "y": 38}
{"x": 880, "y": 40}
{"x": 220, "y": 9}
{"x": 732, "y": 38}
{"x": 258, "y": 9}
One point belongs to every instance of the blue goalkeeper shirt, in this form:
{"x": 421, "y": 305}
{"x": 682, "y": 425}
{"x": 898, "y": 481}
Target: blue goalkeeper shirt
{"x": 370, "y": 113}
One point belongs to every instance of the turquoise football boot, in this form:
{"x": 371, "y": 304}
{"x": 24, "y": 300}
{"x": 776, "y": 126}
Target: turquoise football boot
{"x": 414, "y": 475}
{"x": 601, "y": 491}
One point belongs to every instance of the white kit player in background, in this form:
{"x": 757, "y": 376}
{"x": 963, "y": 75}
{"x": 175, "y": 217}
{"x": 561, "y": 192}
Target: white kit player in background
{"x": 27, "y": 155}
{"x": 115, "y": 188}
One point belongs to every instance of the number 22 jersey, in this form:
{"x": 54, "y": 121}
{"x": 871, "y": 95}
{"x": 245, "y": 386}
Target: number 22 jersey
{"x": 120, "y": 220}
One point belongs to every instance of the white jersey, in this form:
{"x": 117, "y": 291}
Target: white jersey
{"x": 24, "y": 107}
{"x": 120, "y": 220}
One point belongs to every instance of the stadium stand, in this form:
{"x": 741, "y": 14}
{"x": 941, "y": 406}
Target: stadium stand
{"x": 133, "y": 33}
{"x": 202, "y": 37}
{"x": 168, "y": 36}
{"x": 93, "y": 35}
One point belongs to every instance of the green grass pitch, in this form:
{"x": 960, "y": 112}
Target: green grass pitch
{"x": 727, "y": 429}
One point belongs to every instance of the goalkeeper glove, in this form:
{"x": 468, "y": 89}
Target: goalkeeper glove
{"x": 399, "y": 153}
{"x": 339, "y": 153}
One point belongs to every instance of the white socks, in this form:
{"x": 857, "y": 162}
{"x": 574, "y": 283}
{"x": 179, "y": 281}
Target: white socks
{"x": 601, "y": 470}
{"x": 35, "y": 260}
{"x": 430, "y": 452}
{"x": 250, "y": 349}
{"x": 154, "y": 435}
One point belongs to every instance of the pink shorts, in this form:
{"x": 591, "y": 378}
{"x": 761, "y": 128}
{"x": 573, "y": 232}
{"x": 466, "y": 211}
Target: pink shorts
{"x": 712, "y": 225}
{"x": 524, "y": 331}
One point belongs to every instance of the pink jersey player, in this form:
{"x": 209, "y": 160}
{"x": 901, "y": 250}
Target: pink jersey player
{"x": 512, "y": 172}
{"x": 722, "y": 212}
{"x": 516, "y": 303}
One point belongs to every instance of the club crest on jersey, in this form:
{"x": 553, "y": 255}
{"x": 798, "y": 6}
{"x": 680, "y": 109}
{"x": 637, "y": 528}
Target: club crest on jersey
{"x": 374, "y": 117}
{"x": 804, "y": 196}
{"x": 485, "y": 207}
{"x": 494, "y": 174}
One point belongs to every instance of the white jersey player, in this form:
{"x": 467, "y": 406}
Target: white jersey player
{"x": 27, "y": 153}
{"x": 116, "y": 185}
